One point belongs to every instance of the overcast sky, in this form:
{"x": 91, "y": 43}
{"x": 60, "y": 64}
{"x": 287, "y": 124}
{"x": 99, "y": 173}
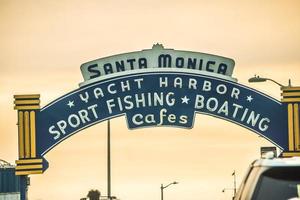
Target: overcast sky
{"x": 43, "y": 44}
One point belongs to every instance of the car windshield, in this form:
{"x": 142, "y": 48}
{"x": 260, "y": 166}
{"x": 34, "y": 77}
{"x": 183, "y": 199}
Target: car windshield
{"x": 278, "y": 183}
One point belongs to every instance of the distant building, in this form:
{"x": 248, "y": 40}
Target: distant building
{"x": 9, "y": 182}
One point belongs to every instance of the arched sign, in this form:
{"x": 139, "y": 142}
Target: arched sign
{"x": 157, "y": 87}
{"x": 160, "y": 99}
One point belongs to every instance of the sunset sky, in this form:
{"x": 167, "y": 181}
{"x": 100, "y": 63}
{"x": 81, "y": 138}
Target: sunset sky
{"x": 43, "y": 44}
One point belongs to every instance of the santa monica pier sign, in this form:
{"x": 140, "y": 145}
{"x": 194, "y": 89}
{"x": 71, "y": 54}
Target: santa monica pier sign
{"x": 155, "y": 87}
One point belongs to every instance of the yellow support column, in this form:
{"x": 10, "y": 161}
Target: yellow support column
{"x": 291, "y": 96}
{"x": 27, "y": 106}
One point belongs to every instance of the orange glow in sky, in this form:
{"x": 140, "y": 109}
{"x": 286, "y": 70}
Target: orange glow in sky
{"x": 43, "y": 44}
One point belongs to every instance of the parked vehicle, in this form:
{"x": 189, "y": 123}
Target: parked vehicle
{"x": 271, "y": 179}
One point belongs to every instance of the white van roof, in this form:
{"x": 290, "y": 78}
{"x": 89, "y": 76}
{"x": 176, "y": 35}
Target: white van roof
{"x": 278, "y": 162}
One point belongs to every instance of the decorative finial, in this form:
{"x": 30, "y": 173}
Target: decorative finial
{"x": 157, "y": 46}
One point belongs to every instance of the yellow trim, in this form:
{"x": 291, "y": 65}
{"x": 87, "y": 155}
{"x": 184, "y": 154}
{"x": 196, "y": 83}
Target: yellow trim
{"x": 291, "y": 127}
{"x": 32, "y": 135}
{"x": 290, "y": 154}
{"x": 21, "y": 167}
{"x": 29, "y": 161}
{"x": 27, "y": 135}
{"x": 21, "y": 134}
{"x": 27, "y": 96}
{"x": 22, "y": 102}
{"x": 27, "y": 107}
{"x": 19, "y": 173}
{"x": 290, "y": 88}
{"x": 296, "y": 126}
{"x": 290, "y": 94}
{"x": 290, "y": 100}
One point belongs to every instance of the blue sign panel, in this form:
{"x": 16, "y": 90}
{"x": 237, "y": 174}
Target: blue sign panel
{"x": 161, "y": 99}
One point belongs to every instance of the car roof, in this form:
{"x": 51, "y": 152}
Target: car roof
{"x": 278, "y": 162}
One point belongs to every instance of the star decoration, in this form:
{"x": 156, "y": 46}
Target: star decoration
{"x": 185, "y": 100}
{"x": 249, "y": 98}
{"x": 71, "y": 104}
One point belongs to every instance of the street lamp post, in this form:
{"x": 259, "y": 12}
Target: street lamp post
{"x": 257, "y": 79}
{"x": 291, "y": 99}
{"x": 162, "y": 187}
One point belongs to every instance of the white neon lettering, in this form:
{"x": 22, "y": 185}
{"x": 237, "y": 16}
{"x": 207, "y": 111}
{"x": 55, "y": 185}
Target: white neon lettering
{"x": 98, "y": 92}
{"x": 206, "y": 86}
{"x": 137, "y": 117}
{"x": 224, "y": 108}
{"x": 221, "y": 89}
{"x": 262, "y": 126}
{"x": 149, "y": 119}
{"x": 110, "y": 104}
{"x": 178, "y": 82}
{"x": 93, "y": 108}
{"x": 83, "y": 114}
{"x": 163, "y": 82}
{"x": 74, "y": 120}
{"x": 209, "y": 106}
{"x": 192, "y": 84}
{"x": 62, "y": 125}
{"x": 162, "y": 114}
{"x": 56, "y": 133}
{"x": 235, "y": 93}
{"x": 252, "y": 118}
{"x": 84, "y": 98}
{"x": 170, "y": 101}
{"x": 110, "y": 90}
{"x": 125, "y": 86}
{"x": 199, "y": 102}
{"x": 139, "y": 82}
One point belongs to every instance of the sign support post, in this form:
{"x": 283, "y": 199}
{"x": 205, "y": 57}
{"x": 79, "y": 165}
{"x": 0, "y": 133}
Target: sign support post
{"x": 23, "y": 187}
{"x": 291, "y": 96}
{"x": 28, "y": 163}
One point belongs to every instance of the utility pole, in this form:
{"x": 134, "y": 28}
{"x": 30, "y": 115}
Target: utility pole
{"x": 234, "y": 183}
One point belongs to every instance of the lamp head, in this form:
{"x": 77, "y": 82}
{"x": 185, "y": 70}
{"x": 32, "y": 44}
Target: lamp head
{"x": 175, "y": 182}
{"x": 256, "y": 79}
